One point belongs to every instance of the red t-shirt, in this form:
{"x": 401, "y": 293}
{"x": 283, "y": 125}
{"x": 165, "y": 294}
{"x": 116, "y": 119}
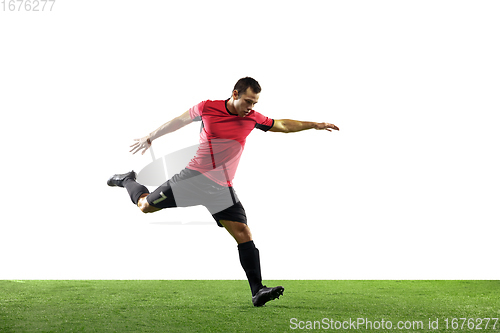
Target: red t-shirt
{"x": 222, "y": 139}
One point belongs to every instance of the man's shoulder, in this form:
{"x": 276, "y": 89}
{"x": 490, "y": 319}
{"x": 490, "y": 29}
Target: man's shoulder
{"x": 257, "y": 115}
{"x": 216, "y": 102}
{"x": 215, "y": 105}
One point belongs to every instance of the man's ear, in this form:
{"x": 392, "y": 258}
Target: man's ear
{"x": 235, "y": 94}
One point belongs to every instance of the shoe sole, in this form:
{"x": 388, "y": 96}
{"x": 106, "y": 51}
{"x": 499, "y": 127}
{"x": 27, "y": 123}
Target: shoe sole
{"x": 274, "y": 294}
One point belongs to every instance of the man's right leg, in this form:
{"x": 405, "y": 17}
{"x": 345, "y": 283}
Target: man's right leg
{"x": 138, "y": 193}
{"x": 127, "y": 180}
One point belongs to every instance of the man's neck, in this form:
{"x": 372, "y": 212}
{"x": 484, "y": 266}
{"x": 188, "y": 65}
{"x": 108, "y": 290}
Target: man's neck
{"x": 230, "y": 106}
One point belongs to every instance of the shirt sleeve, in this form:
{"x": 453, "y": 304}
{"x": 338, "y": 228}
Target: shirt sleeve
{"x": 262, "y": 122}
{"x": 197, "y": 111}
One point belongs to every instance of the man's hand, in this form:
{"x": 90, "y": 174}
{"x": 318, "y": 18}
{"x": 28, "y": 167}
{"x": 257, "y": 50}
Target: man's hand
{"x": 142, "y": 143}
{"x": 169, "y": 127}
{"x": 326, "y": 126}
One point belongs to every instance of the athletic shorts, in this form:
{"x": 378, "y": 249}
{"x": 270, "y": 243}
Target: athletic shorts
{"x": 191, "y": 188}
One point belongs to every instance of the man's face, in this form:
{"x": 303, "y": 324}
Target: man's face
{"x": 245, "y": 102}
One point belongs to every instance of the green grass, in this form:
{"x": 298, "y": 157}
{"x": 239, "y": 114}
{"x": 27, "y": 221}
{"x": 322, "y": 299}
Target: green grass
{"x": 225, "y": 306}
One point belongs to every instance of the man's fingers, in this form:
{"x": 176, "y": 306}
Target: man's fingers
{"x": 136, "y": 144}
{"x": 135, "y": 149}
{"x": 328, "y": 127}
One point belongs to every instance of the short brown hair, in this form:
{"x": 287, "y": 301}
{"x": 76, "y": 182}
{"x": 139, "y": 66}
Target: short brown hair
{"x": 247, "y": 82}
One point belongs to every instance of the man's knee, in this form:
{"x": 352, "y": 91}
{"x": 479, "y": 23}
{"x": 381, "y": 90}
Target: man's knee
{"x": 144, "y": 205}
{"x": 240, "y": 231}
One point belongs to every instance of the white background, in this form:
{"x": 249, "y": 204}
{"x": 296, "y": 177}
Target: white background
{"x": 408, "y": 189}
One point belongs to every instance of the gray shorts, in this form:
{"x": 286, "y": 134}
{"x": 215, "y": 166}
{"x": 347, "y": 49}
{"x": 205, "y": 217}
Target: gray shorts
{"x": 192, "y": 188}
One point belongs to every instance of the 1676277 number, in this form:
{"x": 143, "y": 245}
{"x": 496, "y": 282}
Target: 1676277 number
{"x": 27, "y": 5}
{"x": 471, "y": 323}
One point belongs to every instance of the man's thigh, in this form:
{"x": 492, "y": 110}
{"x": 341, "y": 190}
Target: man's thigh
{"x": 234, "y": 213}
{"x": 162, "y": 197}
{"x": 179, "y": 191}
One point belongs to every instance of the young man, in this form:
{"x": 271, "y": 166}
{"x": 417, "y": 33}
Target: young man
{"x": 207, "y": 179}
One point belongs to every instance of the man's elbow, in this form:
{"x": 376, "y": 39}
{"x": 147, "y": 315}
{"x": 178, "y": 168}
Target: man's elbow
{"x": 282, "y": 127}
{"x": 182, "y": 121}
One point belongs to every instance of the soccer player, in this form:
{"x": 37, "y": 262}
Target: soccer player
{"x": 207, "y": 179}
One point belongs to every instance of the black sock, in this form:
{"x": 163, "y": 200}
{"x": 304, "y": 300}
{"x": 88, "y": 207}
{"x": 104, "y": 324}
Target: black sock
{"x": 250, "y": 261}
{"x": 135, "y": 190}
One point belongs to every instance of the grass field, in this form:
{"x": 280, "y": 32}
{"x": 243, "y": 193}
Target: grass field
{"x": 225, "y": 306}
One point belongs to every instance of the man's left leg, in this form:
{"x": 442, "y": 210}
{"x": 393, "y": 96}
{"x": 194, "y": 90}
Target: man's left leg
{"x": 249, "y": 254}
{"x": 250, "y": 261}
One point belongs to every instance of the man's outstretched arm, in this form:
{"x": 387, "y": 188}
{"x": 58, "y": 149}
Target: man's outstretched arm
{"x": 290, "y": 126}
{"x": 169, "y": 127}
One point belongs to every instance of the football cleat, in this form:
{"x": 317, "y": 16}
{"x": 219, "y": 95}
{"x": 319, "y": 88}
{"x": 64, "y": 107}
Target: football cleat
{"x": 266, "y": 294}
{"x": 117, "y": 180}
